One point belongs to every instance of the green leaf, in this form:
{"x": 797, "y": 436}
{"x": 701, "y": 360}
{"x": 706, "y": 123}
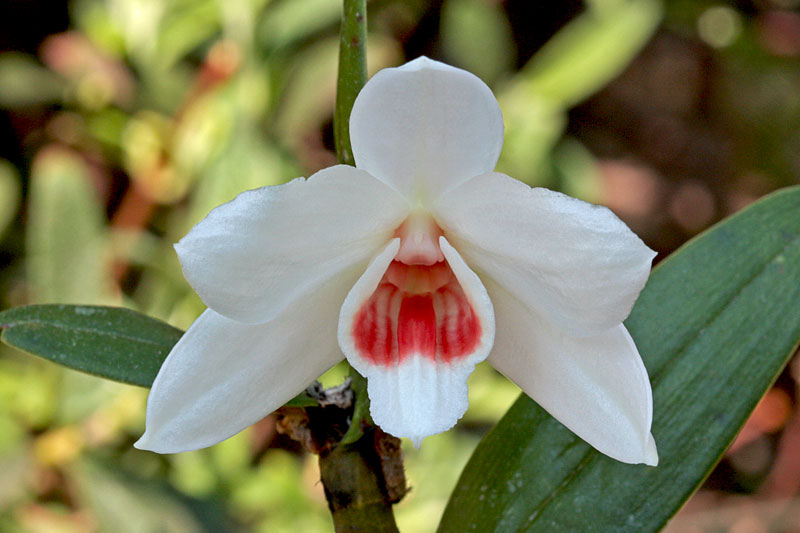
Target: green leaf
{"x": 67, "y": 242}
{"x": 183, "y": 27}
{"x": 588, "y": 53}
{"x": 579, "y": 60}
{"x": 124, "y": 502}
{"x": 111, "y": 342}
{"x": 715, "y": 325}
{"x": 10, "y": 194}
{"x": 302, "y": 400}
{"x": 288, "y": 23}
{"x": 488, "y": 57}
{"x": 24, "y": 82}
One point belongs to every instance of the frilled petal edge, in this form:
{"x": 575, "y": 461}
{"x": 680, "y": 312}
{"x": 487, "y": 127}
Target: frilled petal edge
{"x": 223, "y": 376}
{"x": 426, "y": 126}
{"x": 251, "y": 258}
{"x": 596, "y": 386}
{"x": 570, "y": 261}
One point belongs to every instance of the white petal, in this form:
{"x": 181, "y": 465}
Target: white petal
{"x": 223, "y": 375}
{"x": 425, "y": 127}
{"x": 418, "y": 398}
{"x": 416, "y": 393}
{"x": 596, "y": 386}
{"x": 250, "y": 258}
{"x": 573, "y": 262}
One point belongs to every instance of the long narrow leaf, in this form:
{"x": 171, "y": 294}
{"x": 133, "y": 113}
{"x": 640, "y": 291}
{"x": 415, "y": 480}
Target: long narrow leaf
{"x": 716, "y": 324}
{"x": 111, "y": 342}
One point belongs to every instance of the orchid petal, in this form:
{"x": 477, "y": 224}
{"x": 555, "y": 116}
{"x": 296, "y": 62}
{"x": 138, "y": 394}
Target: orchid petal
{"x": 223, "y": 376}
{"x": 416, "y": 349}
{"x": 596, "y": 386}
{"x": 424, "y": 127}
{"x": 573, "y": 262}
{"x": 252, "y": 257}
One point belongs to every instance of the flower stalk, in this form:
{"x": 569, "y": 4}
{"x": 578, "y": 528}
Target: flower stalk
{"x": 351, "y": 78}
{"x": 352, "y": 73}
{"x": 359, "y": 483}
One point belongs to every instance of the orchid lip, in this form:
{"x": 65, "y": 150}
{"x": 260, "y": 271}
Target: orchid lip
{"x": 416, "y": 333}
{"x": 416, "y": 310}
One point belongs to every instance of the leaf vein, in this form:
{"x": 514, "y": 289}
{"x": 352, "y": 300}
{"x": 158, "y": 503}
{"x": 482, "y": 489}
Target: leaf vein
{"x": 100, "y": 333}
{"x": 681, "y": 351}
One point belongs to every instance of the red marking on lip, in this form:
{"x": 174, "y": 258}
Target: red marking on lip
{"x": 416, "y": 309}
{"x": 416, "y": 326}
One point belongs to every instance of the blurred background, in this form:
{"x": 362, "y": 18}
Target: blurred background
{"x": 123, "y": 122}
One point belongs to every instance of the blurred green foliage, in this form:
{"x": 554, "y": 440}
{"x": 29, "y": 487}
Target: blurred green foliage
{"x": 144, "y": 115}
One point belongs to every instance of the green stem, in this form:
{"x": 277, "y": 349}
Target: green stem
{"x": 360, "y": 408}
{"x": 356, "y": 490}
{"x": 352, "y": 77}
{"x": 352, "y": 73}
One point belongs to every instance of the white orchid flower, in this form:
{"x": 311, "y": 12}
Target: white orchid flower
{"x": 422, "y": 262}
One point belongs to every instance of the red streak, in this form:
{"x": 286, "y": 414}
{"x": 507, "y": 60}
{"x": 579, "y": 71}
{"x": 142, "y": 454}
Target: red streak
{"x": 401, "y": 320}
{"x": 416, "y": 326}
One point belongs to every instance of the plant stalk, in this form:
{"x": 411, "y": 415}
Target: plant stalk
{"x": 352, "y": 73}
{"x": 359, "y": 492}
